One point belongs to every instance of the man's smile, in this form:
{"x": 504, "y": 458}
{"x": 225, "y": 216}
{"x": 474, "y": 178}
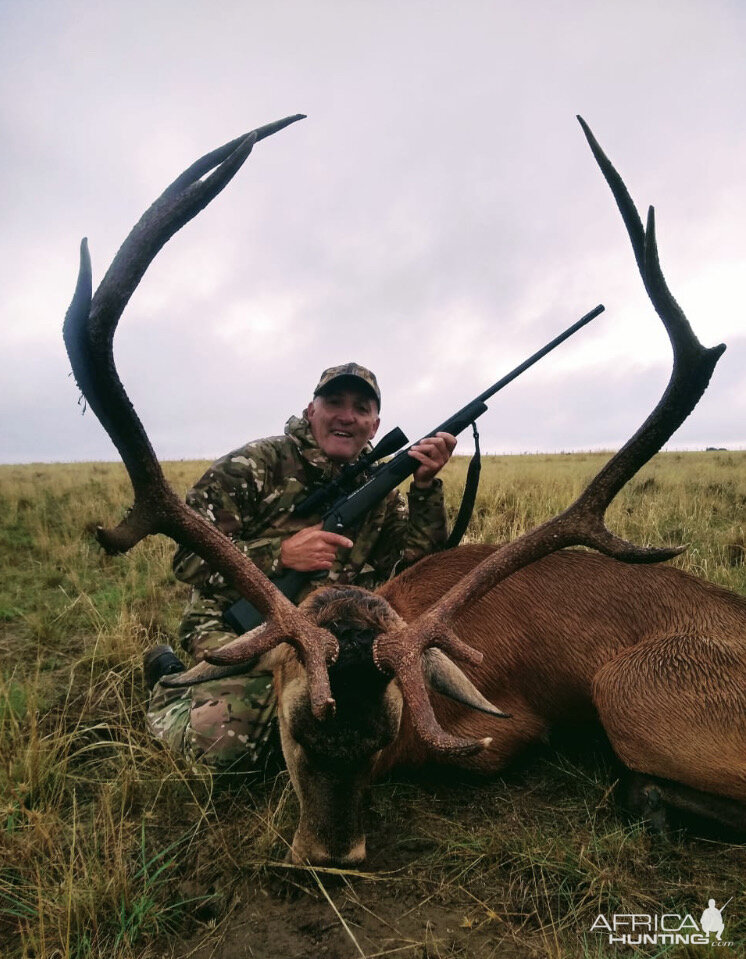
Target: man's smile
{"x": 342, "y": 422}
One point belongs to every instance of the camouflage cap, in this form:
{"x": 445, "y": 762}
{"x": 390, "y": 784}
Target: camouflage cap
{"x": 353, "y": 370}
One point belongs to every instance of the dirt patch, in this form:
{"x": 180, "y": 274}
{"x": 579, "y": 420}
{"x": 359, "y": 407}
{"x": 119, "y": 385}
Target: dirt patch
{"x": 303, "y": 917}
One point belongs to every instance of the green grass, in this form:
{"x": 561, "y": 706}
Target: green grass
{"x": 110, "y": 846}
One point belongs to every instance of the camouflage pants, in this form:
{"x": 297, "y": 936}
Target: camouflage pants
{"x": 228, "y": 724}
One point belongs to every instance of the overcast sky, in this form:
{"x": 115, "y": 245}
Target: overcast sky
{"x": 437, "y": 217}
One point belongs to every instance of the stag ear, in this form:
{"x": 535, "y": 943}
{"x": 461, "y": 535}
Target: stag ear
{"x": 444, "y": 676}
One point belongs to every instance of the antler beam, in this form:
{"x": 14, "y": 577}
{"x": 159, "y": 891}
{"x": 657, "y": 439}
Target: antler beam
{"x": 582, "y": 524}
{"x": 89, "y": 330}
{"x": 90, "y": 324}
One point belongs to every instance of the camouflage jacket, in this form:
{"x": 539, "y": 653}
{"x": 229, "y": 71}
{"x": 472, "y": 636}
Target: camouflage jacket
{"x": 249, "y": 495}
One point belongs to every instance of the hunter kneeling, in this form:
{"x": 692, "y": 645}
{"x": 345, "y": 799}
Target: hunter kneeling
{"x": 251, "y": 495}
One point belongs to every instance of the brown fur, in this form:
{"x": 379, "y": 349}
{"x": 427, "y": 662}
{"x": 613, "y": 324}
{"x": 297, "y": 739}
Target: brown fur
{"x": 654, "y": 654}
{"x": 657, "y": 654}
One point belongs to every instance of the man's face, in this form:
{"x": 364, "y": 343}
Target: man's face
{"x": 342, "y": 421}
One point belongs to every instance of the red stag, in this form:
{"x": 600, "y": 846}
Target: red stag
{"x": 553, "y": 633}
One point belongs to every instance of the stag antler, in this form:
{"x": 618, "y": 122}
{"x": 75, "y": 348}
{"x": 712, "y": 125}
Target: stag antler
{"x": 582, "y": 524}
{"x": 89, "y": 331}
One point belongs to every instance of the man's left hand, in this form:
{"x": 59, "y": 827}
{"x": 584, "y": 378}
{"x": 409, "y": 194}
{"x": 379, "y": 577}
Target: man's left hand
{"x": 433, "y": 453}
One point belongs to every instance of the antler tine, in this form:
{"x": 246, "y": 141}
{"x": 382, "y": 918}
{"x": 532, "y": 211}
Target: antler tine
{"x": 204, "y": 672}
{"x": 392, "y": 653}
{"x": 645, "y": 249}
{"x": 315, "y": 645}
{"x": 693, "y": 365}
{"x": 582, "y": 524}
{"x": 423, "y": 718}
{"x": 211, "y": 160}
{"x": 89, "y": 330}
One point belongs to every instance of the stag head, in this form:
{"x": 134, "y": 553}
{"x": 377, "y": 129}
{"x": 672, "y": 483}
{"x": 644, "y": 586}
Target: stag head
{"x": 347, "y": 665}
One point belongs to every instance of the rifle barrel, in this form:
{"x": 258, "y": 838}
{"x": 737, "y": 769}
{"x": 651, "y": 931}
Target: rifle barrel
{"x": 540, "y": 353}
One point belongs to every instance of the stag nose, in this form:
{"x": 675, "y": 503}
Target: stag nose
{"x": 314, "y": 854}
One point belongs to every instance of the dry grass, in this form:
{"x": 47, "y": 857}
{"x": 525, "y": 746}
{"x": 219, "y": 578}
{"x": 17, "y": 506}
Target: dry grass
{"x": 110, "y": 846}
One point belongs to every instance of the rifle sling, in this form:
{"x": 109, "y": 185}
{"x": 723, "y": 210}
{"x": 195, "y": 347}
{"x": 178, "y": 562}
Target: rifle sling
{"x": 469, "y": 495}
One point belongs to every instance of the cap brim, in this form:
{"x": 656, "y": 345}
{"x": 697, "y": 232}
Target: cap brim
{"x": 357, "y": 381}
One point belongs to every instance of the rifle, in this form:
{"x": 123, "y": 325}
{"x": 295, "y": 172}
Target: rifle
{"x": 353, "y": 503}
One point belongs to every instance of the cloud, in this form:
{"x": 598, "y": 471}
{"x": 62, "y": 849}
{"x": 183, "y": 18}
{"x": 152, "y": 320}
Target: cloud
{"x": 437, "y": 217}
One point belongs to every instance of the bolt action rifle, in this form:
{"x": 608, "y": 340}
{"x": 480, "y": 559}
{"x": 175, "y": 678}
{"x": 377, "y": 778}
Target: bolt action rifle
{"x": 344, "y": 503}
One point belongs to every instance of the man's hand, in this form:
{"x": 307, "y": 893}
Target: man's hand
{"x": 433, "y": 453}
{"x": 312, "y": 549}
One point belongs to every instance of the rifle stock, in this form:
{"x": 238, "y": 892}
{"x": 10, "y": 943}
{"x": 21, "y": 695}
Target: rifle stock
{"x": 243, "y": 616}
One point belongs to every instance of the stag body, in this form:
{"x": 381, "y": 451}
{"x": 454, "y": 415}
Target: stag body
{"x": 654, "y": 654}
{"x": 657, "y": 654}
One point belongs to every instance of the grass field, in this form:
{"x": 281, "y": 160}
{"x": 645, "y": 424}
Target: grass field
{"x": 112, "y": 847}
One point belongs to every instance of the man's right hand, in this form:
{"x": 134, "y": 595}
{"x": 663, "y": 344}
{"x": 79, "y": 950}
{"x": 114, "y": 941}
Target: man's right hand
{"x": 312, "y": 549}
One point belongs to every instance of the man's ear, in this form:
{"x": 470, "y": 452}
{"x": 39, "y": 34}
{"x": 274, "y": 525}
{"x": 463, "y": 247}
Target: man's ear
{"x": 374, "y": 428}
{"x": 309, "y": 411}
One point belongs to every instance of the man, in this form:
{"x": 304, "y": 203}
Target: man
{"x": 250, "y": 494}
